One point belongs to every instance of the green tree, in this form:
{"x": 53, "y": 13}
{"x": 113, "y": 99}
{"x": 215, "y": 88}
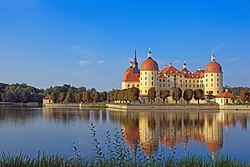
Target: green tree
{"x": 233, "y": 97}
{"x": 2, "y": 90}
{"x": 177, "y": 93}
{"x": 188, "y": 95}
{"x": 152, "y": 94}
{"x": 61, "y": 97}
{"x": 164, "y": 94}
{"x": 21, "y": 93}
{"x": 243, "y": 96}
{"x": 198, "y": 95}
{"x": 96, "y": 97}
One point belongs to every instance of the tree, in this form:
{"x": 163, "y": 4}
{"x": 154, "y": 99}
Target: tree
{"x": 69, "y": 98}
{"x": 61, "y": 97}
{"x": 2, "y": 89}
{"x": 177, "y": 93}
{"x": 20, "y": 93}
{"x": 104, "y": 96}
{"x": 54, "y": 97}
{"x": 133, "y": 94}
{"x": 164, "y": 94}
{"x": 152, "y": 94}
{"x": 116, "y": 92}
{"x": 96, "y": 97}
{"x": 210, "y": 95}
{"x": 86, "y": 97}
{"x": 233, "y": 97}
{"x": 188, "y": 95}
{"x": 198, "y": 95}
{"x": 110, "y": 96}
{"x": 78, "y": 97}
{"x": 243, "y": 96}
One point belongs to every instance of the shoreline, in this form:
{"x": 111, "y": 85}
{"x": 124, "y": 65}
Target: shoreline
{"x": 152, "y": 107}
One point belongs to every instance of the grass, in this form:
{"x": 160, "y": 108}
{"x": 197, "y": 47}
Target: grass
{"x": 117, "y": 154}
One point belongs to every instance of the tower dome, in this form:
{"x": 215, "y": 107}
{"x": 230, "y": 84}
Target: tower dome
{"x": 213, "y": 66}
{"x": 149, "y": 64}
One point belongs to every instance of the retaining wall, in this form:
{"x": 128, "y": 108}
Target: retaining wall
{"x": 202, "y": 107}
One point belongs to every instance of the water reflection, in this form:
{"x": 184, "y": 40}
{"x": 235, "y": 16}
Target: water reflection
{"x": 152, "y": 129}
{"x": 18, "y": 115}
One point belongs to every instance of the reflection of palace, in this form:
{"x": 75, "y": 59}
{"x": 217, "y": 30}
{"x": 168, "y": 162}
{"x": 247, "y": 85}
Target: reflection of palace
{"x": 172, "y": 129}
{"x": 149, "y": 129}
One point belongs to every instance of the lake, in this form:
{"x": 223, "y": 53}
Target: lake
{"x": 52, "y": 131}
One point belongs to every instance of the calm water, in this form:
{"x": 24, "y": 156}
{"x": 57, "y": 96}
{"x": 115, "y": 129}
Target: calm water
{"x": 55, "y": 130}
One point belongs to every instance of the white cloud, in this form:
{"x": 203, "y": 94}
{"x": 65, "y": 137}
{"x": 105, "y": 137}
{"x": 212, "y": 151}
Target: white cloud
{"x": 234, "y": 60}
{"x": 83, "y": 72}
{"x": 83, "y": 62}
{"x": 77, "y": 49}
{"x": 100, "y": 61}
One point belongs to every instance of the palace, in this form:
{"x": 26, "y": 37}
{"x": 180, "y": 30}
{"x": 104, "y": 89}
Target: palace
{"x": 209, "y": 80}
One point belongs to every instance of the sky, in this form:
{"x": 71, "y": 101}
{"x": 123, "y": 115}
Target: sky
{"x": 90, "y": 42}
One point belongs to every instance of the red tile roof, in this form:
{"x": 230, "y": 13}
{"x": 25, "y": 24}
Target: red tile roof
{"x": 213, "y": 67}
{"x": 224, "y": 95}
{"x": 149, "y": 64}
{"x": 130, "y": 76}
{"x": 185, "y": 71}
{"x": 47, "y": 98}
{"x": 196, "y": 74}
{"x": 169, "y": 70}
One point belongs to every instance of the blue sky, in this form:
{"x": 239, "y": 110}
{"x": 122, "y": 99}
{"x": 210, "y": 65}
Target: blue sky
{"x": 90, "y": 42}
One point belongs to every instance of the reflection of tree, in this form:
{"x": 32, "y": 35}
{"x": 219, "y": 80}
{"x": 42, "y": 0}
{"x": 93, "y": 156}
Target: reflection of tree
{"x": 243, "y": 121}
{"x": 19, "y": 115}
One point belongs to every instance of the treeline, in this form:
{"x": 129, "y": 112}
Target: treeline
{"x": 23, "y": 93}
{"x": 237, "y": 90}
{"x": 20, "y": 93}
{"x": 69, "y": 94}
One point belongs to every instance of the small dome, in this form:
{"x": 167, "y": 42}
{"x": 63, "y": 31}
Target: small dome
{"x": 149, "y": 64}
{"x": 213, "y": 67}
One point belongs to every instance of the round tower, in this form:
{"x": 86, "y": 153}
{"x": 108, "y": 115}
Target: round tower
{"x": 149, "y": 75}
{"x": 213, "y": 77}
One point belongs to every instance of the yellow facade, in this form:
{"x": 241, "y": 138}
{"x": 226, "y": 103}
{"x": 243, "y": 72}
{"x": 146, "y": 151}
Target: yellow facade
{"x": 213, "y": 82}
{"x": 148, "y": 79}
{"x": 127, "y": 85}
{"x": 209, "y": 80}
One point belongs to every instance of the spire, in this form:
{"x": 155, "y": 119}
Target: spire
{"x": 184, "y": 65}
{"x": 212, "y": 57}
{"x": 149, "y": 52}
{"x": 135, "y": 59}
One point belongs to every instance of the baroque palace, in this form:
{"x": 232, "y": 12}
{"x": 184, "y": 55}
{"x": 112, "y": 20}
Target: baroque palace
{"x": 209, "y": 80}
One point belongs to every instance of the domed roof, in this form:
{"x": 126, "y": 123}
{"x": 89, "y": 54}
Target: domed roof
{"x": 213, "y": 67}
{"x": 130, "y": 76}
{"x": 149, "y": 64}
